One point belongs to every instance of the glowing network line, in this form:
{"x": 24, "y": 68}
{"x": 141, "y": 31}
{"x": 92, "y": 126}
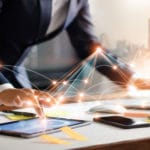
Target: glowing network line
{"x": 81, "y": 77}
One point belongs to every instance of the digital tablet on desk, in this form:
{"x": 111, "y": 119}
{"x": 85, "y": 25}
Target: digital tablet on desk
{"x": 35, "y": 127}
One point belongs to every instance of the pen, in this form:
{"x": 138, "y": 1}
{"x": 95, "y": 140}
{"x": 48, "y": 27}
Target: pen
{"x": 28, "y": 114}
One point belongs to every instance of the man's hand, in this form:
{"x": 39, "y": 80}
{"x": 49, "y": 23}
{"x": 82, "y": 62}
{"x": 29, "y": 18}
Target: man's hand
{"x": 141, "y": 83}
{"x": 27, "y": 98}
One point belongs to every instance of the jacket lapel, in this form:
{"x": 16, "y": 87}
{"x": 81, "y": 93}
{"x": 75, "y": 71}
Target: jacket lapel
{"x": 45, "y": 14}
{"x": 71, "y": 12}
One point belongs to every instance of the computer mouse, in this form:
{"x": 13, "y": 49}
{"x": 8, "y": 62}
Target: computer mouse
{"x": 107, "y": 108}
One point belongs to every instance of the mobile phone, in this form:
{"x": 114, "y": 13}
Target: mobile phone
{"x": 122, "y": 122}
{"x": 35, "y": 127}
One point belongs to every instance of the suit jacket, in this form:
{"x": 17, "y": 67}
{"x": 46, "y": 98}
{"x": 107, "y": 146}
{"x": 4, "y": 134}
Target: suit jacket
{"x": 23, "y": 23}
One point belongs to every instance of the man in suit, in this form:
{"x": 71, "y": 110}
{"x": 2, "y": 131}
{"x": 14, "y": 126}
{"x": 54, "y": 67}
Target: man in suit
{"x": 24, "y": 23}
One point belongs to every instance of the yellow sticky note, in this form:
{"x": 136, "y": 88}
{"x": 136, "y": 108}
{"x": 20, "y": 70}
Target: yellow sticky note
{"x": 57, "y": 114}
{"x": 17, "y": 117}
{"x": 148, "y": 120}
{"x": 49, "y": 114}
{"x": 53, "y": 140}
{"x": 73, "y": 134}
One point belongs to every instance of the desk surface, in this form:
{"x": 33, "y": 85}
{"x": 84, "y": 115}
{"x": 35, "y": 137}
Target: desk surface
{"x": 99, "y": 136}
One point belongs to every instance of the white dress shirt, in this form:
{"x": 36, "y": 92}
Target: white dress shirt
{"x": 58, "y": 16}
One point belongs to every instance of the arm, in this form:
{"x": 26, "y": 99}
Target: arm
{"x": 84, "y": 41}
{"x": 3, "y": 80}
{"x": 10, "y": 96}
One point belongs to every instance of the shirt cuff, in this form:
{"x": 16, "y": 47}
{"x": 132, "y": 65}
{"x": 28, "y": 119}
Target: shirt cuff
{"x": 5, "y": 86}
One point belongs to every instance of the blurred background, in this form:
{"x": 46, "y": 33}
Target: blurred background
{"x": 122, "y": 26}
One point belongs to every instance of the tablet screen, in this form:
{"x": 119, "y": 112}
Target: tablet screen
{"x": 36, "y": 125}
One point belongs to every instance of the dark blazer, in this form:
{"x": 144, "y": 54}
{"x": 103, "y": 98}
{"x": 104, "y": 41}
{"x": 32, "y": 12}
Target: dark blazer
{"x": 23, "y": 23}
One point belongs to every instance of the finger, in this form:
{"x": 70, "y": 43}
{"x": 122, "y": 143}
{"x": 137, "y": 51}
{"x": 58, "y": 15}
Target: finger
{"x": 30, "y": 100}
{"x": 17, "y": 102}
{"x": 45, "y": 104}
{"x": 38, "y": 108}
{"x": 46, "y": 101}
{"x": 28, "y": 91}
{"x": 37, "y": 92}
{"x": 39, "y": 111}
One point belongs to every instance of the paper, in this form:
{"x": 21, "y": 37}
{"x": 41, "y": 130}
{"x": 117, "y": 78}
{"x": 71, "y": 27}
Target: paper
{"x": 73, "y": 134}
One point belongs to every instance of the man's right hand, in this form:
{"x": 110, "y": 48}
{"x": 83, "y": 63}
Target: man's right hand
{"x": 27, "y": 98}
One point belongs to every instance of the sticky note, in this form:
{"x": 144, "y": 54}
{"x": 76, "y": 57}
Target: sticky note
{"x": 17, "y": 117}
{"x": 57, "y": 114}
{"x": 49, "y": 114}
{"x": 147, "y": 120}
{"x": 73, "y": 134}
{"x": 53, "y": 140}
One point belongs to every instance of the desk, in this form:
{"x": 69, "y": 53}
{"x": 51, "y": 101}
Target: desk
{"x": 103, "y": 137}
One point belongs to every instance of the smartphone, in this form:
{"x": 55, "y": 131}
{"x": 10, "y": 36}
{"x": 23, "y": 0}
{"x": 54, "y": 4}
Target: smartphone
{"x": 35, "y": 127}
{"x": 122, "y": 122}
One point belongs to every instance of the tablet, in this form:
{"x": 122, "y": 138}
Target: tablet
{"x": 35, "y": 127}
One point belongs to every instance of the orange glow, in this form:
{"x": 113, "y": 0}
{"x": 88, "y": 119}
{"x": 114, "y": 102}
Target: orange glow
{"x": 61, "y": 98}
{"x": 99, "y": 50}
{"x": 65, "y": 83}
{"x": 96, "y": 116}
{"x": 115, "y": 67}
{"x": 57, "y": 102}
{"x": 1, "y": 65}
{"x": 132, "y": 90}
{"x": 79, "y": 101}
{"x": 81, "y": 94}
{"x": 48, "y": 100}
{"x": 86, "y": 81}
{"x": 28, "y": 103}
{"x": 132, "y": 65}
{"x": 54, "y": 82}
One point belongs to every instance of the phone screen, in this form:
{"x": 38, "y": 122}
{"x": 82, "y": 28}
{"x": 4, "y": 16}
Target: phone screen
{"x": 122, "y": 122}
{"x": 35, "y": 126}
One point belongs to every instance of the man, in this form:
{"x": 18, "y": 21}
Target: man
{"x": 24, "y": 23}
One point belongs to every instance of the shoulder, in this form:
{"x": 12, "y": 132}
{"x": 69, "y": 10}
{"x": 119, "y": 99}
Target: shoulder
{"x": 1, "y": 5}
